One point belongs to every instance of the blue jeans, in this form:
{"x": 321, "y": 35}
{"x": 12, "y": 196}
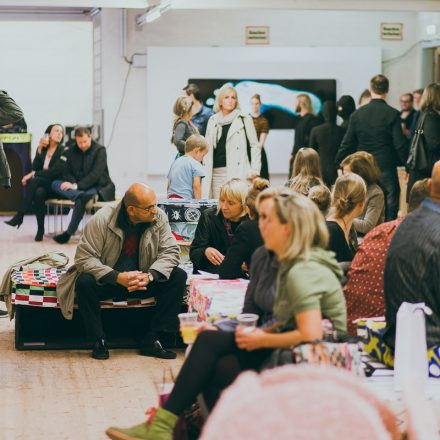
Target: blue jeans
{"x": 390, "y": 186}
{"x": 80, "y": 197}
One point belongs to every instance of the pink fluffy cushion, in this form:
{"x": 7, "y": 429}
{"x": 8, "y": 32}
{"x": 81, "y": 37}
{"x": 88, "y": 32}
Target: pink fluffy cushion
{"x": 301, "y": 403}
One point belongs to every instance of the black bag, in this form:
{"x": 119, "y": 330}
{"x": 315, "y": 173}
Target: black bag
{"x": 418, "y": 158}
{"x": 248, "y": 146}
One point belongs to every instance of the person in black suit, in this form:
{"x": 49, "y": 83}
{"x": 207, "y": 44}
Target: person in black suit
{"x": 247, "y": 238}
{"x": 326, "y": 139}
{"x": 376, "y": 129}
{"x": 85, "y": 176}
{"x": 48, "y": 165}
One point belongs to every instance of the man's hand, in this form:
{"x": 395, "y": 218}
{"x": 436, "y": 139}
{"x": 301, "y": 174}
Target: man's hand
{"x": 214, "y": 256}
{"x": 140, "y": 282}
{"x": 67, "y": 185}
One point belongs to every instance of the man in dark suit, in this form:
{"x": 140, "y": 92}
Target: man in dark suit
{"x": 376, "y": 129}
{"x": 86, "y": 176}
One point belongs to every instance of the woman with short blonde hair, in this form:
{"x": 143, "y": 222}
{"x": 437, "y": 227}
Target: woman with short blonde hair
{"x": 306, "y": 171}
{"x": 364, "y": 164}
{"x": 217, "y": 226}
{"x": 234, "y": 150}
{"x": 348, "y": 200}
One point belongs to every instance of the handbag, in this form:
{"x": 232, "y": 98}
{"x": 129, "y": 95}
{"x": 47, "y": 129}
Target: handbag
{"x": 248, "y": 146}
{"x": 418, "y": 158}
{"x": 343, "y": 355}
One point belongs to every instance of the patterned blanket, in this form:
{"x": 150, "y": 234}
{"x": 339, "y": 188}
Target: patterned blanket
{"x": 38, "y": 288}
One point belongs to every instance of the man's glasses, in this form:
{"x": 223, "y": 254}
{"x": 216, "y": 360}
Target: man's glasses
{"x": 147, "y": 209}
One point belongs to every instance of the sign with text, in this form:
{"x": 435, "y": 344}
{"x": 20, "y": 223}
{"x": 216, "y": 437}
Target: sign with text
{"x": 257, "y": 34}
{"x": 391, "y": 31}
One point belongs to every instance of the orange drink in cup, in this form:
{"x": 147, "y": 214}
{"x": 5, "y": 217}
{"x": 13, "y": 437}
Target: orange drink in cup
{"x": 188, "y": 326}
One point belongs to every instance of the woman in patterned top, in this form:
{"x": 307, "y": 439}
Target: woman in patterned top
{"x": 262, "y": 128}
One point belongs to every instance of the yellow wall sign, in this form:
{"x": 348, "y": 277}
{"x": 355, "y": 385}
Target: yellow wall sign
{"x": 15, "y": 138}
{"x": 391, "y": 31}
{"x": 257, "y": 34}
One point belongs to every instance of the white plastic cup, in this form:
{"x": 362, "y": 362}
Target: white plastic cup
{"x": 247, "y": 321}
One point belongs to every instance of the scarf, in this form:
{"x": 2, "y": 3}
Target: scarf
{"x": 220, "y": 120}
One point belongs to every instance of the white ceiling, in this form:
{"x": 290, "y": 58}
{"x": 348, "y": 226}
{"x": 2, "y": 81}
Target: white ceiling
{"x": 385, "y": 5}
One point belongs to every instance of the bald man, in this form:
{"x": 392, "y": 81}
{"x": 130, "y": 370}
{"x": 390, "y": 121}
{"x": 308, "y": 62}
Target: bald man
{"x": 412, "y": 267}
{"x": 128, "y": 251}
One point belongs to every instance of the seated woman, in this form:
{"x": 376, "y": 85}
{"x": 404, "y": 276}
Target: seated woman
{"x": 247, "y": 237}
{"x": 348, "y": 199}
{"x": 48, "y": 165}
{"x": 308, "y": 288}
{"x": 306, "y": 171}
{"x": 364, "y": 164}
{"x": 217, "y": 226}
{"x": 183, "y": 128}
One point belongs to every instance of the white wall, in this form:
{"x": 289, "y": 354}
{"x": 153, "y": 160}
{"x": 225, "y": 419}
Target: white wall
{"x": 47, "y": 68}
{"x": 348, "y": 66}
{"x": 130, "y": 156}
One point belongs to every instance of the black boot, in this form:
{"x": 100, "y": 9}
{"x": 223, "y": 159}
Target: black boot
{"x": 62, "y": 238}
{"x": 39, "y": 235}
{"x": 17, "y": 220}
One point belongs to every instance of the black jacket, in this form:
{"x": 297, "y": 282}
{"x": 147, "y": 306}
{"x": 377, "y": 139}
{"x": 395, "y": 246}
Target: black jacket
{"x": 246, "y": 239}
{"x": 375, "y": 128}
{"x": 326, "y": 139}
{"x": 302, "y": 131}
{"x": 9, "y": 112}
{"x": 412, "y": 269}
{"x": 210, "y": 232}
{"x": 89, "y": 170}
{"x": 57, "y": 163}
{"x": 431, "y": 135}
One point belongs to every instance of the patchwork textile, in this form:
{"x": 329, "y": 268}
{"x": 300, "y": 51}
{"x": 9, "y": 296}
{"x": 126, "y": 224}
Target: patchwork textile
{"x": 184, "y": 210}
{"x": 38, "y": 288}
{"x": 377, "y": 349}
{"x": 215, "y": 299}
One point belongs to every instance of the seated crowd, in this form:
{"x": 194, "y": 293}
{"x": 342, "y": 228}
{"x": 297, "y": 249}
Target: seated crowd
{"x": 315, "y": 249}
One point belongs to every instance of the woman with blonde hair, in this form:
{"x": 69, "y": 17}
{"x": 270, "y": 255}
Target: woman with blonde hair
{"x": 308, "y": 288}
{"x": 183, "y": 128}
{"x": 234, "y": 150}
{"x": 429, "y": 122}
{"x": 217, "y": 226}
{"x": 247, "y": 237}
{"x": 348, "y": 200}
{"x": 306, "y": 171}
{"x": 364, "y": 164}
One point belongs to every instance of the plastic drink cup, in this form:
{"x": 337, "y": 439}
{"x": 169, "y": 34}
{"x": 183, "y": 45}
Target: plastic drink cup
{"x": 188, "y": 326}
{"x": 247, "y": 321}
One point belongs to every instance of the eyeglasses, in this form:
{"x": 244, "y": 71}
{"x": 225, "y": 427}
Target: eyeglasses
{"x": 147, "y": 209}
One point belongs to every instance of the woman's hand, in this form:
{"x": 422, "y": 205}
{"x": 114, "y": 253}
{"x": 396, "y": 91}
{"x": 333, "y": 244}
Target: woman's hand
{"x": 206, "y": 326}
{"x": 27, "y": 177}
{"x": 214, "y": 256}
{"x": 44, "y": 142}
{"x": 249, "y": 340}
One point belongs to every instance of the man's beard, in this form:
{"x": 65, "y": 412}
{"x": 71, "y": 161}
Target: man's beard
{"x": 298, "y": 109}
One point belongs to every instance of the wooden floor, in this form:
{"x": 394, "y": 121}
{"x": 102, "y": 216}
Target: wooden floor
{"x": 66, "y": 394}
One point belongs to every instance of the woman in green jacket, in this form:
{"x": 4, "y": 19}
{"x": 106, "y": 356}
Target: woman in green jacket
{"x": 308, "y": 289}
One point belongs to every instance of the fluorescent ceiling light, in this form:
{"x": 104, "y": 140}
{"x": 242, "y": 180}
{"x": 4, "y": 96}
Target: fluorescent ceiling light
{"x": 153, "y": 13}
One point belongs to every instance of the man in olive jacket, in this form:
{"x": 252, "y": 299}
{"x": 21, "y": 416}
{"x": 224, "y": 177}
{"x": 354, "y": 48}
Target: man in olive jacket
{"x": 127, "y": 251}
{"x": 9, "y": 112}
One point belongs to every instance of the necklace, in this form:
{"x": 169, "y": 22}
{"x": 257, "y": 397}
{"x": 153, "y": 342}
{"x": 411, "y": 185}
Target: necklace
{"x": 345, "y": 225}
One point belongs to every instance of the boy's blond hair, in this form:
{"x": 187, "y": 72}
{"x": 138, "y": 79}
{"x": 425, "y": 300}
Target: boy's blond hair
{"x": 196, "y": 141}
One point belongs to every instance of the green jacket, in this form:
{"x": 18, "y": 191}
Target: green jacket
{"x": 311, "y": 284}
{"x": 100, "y": 247}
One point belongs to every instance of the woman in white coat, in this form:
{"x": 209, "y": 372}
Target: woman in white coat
{"x": 234, "y": 150}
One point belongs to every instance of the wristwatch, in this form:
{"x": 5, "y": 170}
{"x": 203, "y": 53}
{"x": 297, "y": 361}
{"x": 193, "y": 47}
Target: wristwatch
{"x": 150, "y": 277}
